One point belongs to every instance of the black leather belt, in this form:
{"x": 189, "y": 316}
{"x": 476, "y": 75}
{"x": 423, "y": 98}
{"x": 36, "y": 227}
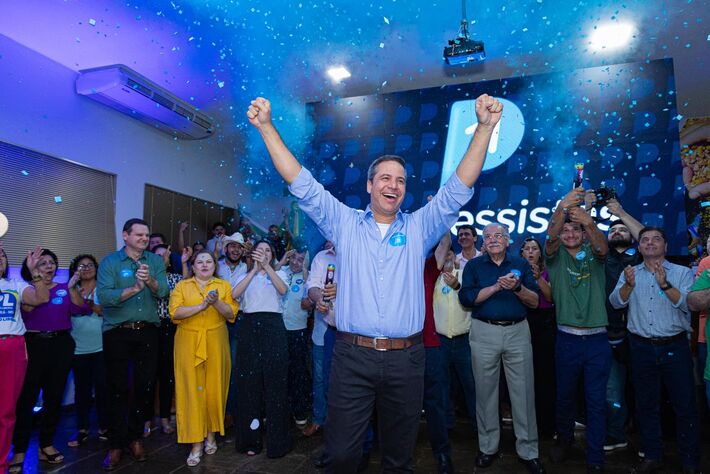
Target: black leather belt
{"x": 380, "y": 343}
{"x": 659, "y": 341}
{"x": 501, "y": 322}
{"x": 45, "y": 334}
{"x": 135, "y": 325}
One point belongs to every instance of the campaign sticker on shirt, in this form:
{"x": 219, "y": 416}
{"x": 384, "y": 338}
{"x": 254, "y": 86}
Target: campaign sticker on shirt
{"x": 126, "y": 273}
{"x": 57, "y": 300}
{"x": 295, "y": 288}
{"x": 8, "y": 305}
{"x": 631, "y": 251}
{"x": 61, "y": 292}
{"x": 516, "y": 273}
{"x": 446, "y": 290}
{"x": 398, "y": 239}
{"x": 299, "y": 281}
{"x": 581, "y": 255}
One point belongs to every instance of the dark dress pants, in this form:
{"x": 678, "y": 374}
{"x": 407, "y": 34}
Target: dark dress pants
{"x": 361, "y": 379}
{"x": 131, "y": 357}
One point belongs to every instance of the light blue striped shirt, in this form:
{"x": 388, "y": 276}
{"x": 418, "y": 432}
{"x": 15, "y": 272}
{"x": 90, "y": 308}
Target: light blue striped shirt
{"x": 380, "y": 280}
{"x": 651, "y": 313}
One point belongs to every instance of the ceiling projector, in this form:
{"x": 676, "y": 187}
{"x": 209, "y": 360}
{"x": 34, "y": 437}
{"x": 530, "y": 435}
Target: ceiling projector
{"x": 464, "y": 50}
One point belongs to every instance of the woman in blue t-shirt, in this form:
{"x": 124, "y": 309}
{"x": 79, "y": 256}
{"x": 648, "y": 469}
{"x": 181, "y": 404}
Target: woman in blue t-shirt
{"x": 88, "y": 364}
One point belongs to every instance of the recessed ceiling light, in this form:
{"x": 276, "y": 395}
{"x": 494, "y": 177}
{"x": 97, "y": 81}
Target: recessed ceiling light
{"x": 611, "y": 36}
{"x": 338, "y": 73}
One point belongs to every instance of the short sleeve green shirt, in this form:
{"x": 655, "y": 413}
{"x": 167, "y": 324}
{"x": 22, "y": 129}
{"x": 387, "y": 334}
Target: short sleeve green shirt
{"x": 703, "y": 283}
{"x": 577, "y": 283}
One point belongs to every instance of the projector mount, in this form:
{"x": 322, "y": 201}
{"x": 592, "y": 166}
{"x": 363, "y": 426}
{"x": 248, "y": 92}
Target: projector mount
{"x": 463, "y": 49}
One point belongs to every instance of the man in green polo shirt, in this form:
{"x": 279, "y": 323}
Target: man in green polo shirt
{"x": 129, "y": 283}
{"x": 574, "y": 254}
{"x": 699, "y": 300}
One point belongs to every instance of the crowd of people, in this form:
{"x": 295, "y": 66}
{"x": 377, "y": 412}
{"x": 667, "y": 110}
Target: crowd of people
{"x": 221, "y": 334}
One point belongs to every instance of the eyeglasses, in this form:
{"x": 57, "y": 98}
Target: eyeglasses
{"x": 87, "y": 266}
{"x": 496, "y": 236}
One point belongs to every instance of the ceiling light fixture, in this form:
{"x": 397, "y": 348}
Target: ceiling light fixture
{"x": 611, "y": 36}
{"x": 338, "y": 73}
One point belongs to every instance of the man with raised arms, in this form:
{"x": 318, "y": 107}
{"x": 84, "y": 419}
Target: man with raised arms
{"x": 378, "y": 357}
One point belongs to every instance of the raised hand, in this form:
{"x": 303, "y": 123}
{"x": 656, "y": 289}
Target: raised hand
{"x": 73, "y": 280}
{"x": 259, "y": 256}
{"x": 573, "y": 198}
{"x": 259, "y": 112}
{"x": 630, "y": 275}
{"x": 590, "y": 198}
{"x": 488, "y": 110}
{"x": 614, "y": 207}
{"x": 184, "y": 225}
{"x": 186, "y": 254}
{"x": 579, "y": 216}
{"x": 33, "y": 257}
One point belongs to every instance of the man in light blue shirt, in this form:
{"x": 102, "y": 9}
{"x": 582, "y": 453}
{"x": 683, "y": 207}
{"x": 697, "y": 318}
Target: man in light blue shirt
{"x": 378, "y": 357}
{"x": 659, "y": 322}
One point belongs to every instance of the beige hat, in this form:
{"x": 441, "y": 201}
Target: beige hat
{"x": 236, "y": 238}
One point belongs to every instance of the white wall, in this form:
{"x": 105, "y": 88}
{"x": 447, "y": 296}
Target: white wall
{"x": 40, "y": 110}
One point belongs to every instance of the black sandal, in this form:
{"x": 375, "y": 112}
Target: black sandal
{"x": 56, "y": 458}
{"x": 78, "y": 439}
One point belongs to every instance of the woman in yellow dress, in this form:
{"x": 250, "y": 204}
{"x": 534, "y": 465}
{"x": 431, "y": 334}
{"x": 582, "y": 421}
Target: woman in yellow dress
{"x": 201, "y": 306}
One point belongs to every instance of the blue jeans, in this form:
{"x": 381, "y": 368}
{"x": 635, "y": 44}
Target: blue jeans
{"x": 616, "y": 408}
{"x": 590, "y": 357}
{"x": 436, "y": 397}
{"x": 672, "y": 365}
{"x": 707, "y": 392}
{"x": 319, "y": 404}
{"x": 457, "y": 353}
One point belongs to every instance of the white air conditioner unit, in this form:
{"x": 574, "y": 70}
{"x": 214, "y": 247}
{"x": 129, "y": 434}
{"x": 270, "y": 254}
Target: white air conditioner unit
{"x": 123, "y": 89}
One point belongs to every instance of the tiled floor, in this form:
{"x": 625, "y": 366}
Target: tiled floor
{"x": 166, "y": 456}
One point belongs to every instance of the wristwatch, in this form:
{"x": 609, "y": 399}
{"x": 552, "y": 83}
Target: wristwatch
{"x": 667, "y": 287}
{"x": 518, "y": 288}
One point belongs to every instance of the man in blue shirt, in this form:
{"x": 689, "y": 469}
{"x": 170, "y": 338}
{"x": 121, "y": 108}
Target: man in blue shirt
{"x": 379, "y": 356}
{"x": 499, "y": 288}
{"x": 655, "y": 293}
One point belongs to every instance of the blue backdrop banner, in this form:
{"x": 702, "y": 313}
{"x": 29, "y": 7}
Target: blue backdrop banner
{"x": 620, "y": 121}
